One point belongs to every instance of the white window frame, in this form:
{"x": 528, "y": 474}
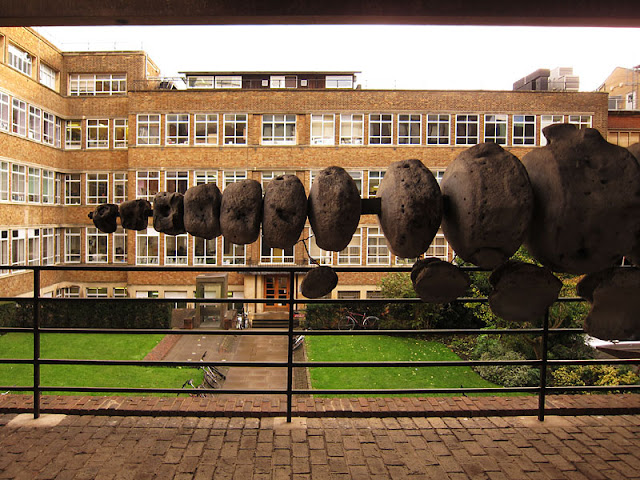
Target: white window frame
{"x": 267, "y": 177}
{"x": 120, "y": 133}
{"x": 206, "y": 257}
{"x": 232, "y": 176}
{"x": 18, "y": 183}
{"x": 408, "y": 123}
{"x": 20, "y": 59}
{"x": 48, "y": 128}
{"x": 233, "y": 254}
{"x": 58, "y": 143}
{"x": 73, "y": 135}
{"x": 323, "y": 129}
{"x": 147, "y": 184}
{"x": 4, "y": 181}
{"x": 358, "y": 178}
{"x": 97, "y": 84}
{"x": 522, "y": 123}
{"x": 176, "y": 129}
{"x": 439, "y": 247}
{"x": 18, "y": 248}
{"x": 97, "y": 247}
{"x": 120, "y": 187}
{"x": 283, "y": 81}
{"x": 33, "y": 246}
{"x": 5, "y": 252}
{"x": 72, "y": 245}
{"x": 279, "y": 129}
{"x": 581, "y": 121}
{"x": 35, "y": 123}
{"x": 172, "y": 254}
{"x": 33, "y": 185}
{"x": 317, "y": 254}
{"x": 338, "y": 81}
{"x": 464, "y": 123}
{"x": 19, "y": 117}
{"x": 377, "y": 248}
{"x": 119, "y": 250}
{"x": 232, "y": 122}
{"x": 545, "y": 121}
{"x": 144, "y": 241}
{"x": 276, "y": 256}
{"x": 58, "y": 245}
{"x": 72, "y": 183}
{"x": 205, "y": 129}
{"x": 350, "y": 123}
{"x": 228, "y": 81}
{"x": 201, "y": 177}
{"x": 200, "y": 81}
{"x": 373, "y": 182}
{"x": 498, "y": 123}
{"x": 148, "y": 129}
{"x": 96, "y": 292}
{"x": 48, "y": 246}
{"x": 97, "y": 188}
{"x": 97, "y": 133}
{"x": 48, "y": 76}
{"x": 352, "y": 254}
{"x": 176, "y": 181}
{"x": 120, "y": 292}
{"x": 380, "y": 129}
{"x": 5, "y": 111}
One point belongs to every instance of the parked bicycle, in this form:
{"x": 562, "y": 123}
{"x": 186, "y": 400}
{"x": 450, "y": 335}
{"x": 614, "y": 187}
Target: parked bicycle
{"x": 358, "y": 320}
{"x": 212, "y": 378}
{"x": 297, "y": 341}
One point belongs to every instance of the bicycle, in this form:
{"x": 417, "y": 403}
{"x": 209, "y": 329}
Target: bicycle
{"x": 212, "y": 378}
{"x": 358, "y": 320}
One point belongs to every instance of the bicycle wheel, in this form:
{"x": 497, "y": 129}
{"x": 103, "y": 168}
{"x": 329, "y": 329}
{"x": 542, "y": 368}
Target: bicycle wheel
{"x": 346, "y": 323}
{"x": 210, "y": 379}
{"x": 371, "y": 322}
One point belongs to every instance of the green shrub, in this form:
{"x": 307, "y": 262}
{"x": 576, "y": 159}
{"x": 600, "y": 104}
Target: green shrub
{"x": 489, "y": 348}
{"x": 597, "y": 375}
{"x": 323, "y": 316}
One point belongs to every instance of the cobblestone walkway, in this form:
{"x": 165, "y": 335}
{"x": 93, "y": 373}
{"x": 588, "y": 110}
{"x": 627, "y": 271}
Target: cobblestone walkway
{"x": 140, "y": 448}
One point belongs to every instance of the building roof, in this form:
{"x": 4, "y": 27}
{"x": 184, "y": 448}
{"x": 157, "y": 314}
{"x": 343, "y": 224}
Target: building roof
{"x": 269, "y": 72}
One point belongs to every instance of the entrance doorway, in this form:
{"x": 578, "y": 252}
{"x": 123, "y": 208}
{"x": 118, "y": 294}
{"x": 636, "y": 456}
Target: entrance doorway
{"x": 276, "y": 287}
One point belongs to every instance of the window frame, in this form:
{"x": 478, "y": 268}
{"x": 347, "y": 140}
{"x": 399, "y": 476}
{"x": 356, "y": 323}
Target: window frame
{"x": 48, "y": 76}
{"x": 18, "y": 195}
{"x": 378, "y": 134}
{"x": 499, "y": 123}
{"x": 523, "y": 139}
{"x": 144, "y": 240}
{"x": 467, "y": 138}
{"x": 380, "y": 245}
{"x": 34, "y": 131}
{"x": 120, "y": 133}
{"x": 176, "y": 181}
{"x": 147, "y": 178}
{"x": 120, "y": 181}
{"x": 176, "y": 129}
{"x": 120, "y": 239}
{"x": 19, "y": 59}
{"x": 97, "y": 133}
{"x": 6, "y": 115}
{"x": 349, "y": 122}
{"x": 203, "y": 244}
{"x": 232, "y": 122}
{"x": 95, "y": 183}
{"x": 72, "y": 181}
{"x": 93, "y": 84}
{"x": 408, "y": 123}
{"x": 34, "y": 187}
{"x": 275, "y": 122}
{"x": 5, "y": 184}
{"x": 174, "y": 257}
{"x": 146, "y": 126}
{"x": 98, "y": 241}
{"x": 205, "y": 121}
{"x": 73, "y": 129}
{"x": 233, "y": 254}
{"x": 72, "y": 239}
{"x": 348, "y": 255}
{"x": 19, "y": 117}
{"x": 326, "y": 121}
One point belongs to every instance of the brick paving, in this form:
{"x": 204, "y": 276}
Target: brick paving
{"x": 494, "y": 448}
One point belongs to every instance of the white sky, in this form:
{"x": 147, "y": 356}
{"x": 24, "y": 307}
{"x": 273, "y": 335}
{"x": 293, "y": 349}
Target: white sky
{"x": 411, "y": 57}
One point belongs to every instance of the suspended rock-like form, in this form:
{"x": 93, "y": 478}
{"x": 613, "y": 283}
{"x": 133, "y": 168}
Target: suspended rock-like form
{"x": 334, "y": 208}
{"x": 134, "y": 214}
{"x": 488, "y": 202}
{"x": 285, "y": 211}
{"x": 436, "y": 281}
{"x": 586, "y": 200}
{"x": 168, "y": 213}
{"x": 615, "y": 303}
{"x": 202, "y": 211}
{"x": 241, "y": 212}
{"x": 522, "y": 292}
{"x": 105, "y": 217}
{"x": 635, "y": 150}
{"x": 411, "y": 208}
{"x": 319, "y": 282}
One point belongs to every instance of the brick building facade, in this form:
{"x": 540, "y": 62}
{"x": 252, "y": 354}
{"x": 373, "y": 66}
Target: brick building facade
{"x": 81, "y": 129}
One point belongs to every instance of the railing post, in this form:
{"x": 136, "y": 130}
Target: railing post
{"x": 36, "y": 342}
{"x": 292, "y": 277}
{"x": 543, "y": 367}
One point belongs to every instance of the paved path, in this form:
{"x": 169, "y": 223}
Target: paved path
{"x": 141, "y": 448}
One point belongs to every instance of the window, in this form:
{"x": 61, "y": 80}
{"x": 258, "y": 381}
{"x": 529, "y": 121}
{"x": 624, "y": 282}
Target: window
{"x": 96, "y": 292}
{"x": 228, "y": 81}
{"x": 147, "y": 247}
{"x": 177, "y": 126}
{"x": 4, "y": 111}
{"x": 98, "y": 133}
{"x": 377, "y": 250}
{"x": 33, "y": 185}
{"x": 200, "y": 82}
{"x": 48, "y": 246}
{"x": 352, "y": 254}
{"x": 59, "y": 183}
{"x": 267, "y": 177}
{"x": 283, "y": 81}
{"x": 48, "y": 76}
{"x": 35, "y": 123}
{"x": 97, "y": 84}
{"x": 72, "y": 245}
{"x": 19, "y": 117}
{"x": 380, "y": 129}
{"x": 48, "y": 128}
{"x": 323, "y": 129}
{"x": 201, "y": 177}
{"x": 5, "y": 252}
{"x": 351, "y": 129}
{"x": 120, "y": 187}
{"x": 278, "y": 129}
{"x": 33, "y": 246}
{"x": 18, "y": 183}
{"x": 18, "y": 246}
{"x": 73, "y": 138}
{"x": 58, "y": 245}
{"x": 232, "y": 176}
{"x": 375, "y": 177}
{"x": 68, "y": 292}
{"x": 58, "y": 132}
{"x": 120, "y": 292}
{"x": 119, "y": 246}
{"x": 4, "y": 181}
{"x": 235, "y": 129}
{"x": 339, "y": 81}
{"x": 581, "y": 121}
{"x": 175, "y": 249}
{"x": 232, "y": 254}
{"x": 438, "y": 174}
{"x": 409, "y": 129}
{"x": 97, "y": 188}
{"x": 206, "y": 125}
{"x": 72, "y": 189}
{"x": 323, "y": 257}
{"x": 274, "y": 255}
{"x": 495, "y": 129}
{"x": 466, "y": 129}
{"x": 120, "y": 133}
{"x": 545, "y": 121}
{"x": 439, "y": 247}
{"x": 20, "y": 60}
{"x": 147, "y": 185}
{"x": 148, "y": 130}
{"x": 97, "y": 244}
{"x": 176, "y": 181}
{"x": 348, "y": 295}
{"x": 204, "y": 251}
{"x": 524, "y": 130}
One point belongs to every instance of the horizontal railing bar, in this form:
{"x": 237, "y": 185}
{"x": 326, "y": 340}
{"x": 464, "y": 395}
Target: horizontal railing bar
{"x": 16, "y": 361}
{"x": 597, "y": 361}
{"x": 392, "y": 391}
{"x": 160, "y": 363}
{"x": 15, "y": 330}
{"x": 593, "y": 388}
{"x": 13, "y": 388}
{"x": 160, "y": 390}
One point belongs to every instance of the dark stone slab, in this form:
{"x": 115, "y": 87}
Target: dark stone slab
{"x": 586, "y": 201}
{"x": 241, "y": 212}
{"x": 319, "y": 282}
{"x": 436, "y": 281}
{"x": 488, "y": 203}
{"x": 334, "y": 208}
{"x": 285, "y": 211}
{"x": 168, "y": 213}
{"x": 615, "y": 303}
{"x": 411, "y": 208}
{"x": 522, "y": 292}
{"x": 105, "y": 217}
{"x": 134, "y": 214}
{"x": 202, "y": 211}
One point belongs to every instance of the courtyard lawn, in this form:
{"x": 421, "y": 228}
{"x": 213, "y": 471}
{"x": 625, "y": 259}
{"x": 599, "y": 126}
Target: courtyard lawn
{"x": 386, "y": 348}
{"x": 89, "y": 347}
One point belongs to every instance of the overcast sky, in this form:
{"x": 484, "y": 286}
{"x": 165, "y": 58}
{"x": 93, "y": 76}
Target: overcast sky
{"x": 422, "y": 57}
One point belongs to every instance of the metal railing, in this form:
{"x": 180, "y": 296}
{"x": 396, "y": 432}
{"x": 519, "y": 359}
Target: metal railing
{"x": 291, "y": 301}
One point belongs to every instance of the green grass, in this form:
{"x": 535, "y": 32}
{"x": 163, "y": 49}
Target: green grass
{"x": 89, "y": 347}
{"x": 385, "y": 348}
